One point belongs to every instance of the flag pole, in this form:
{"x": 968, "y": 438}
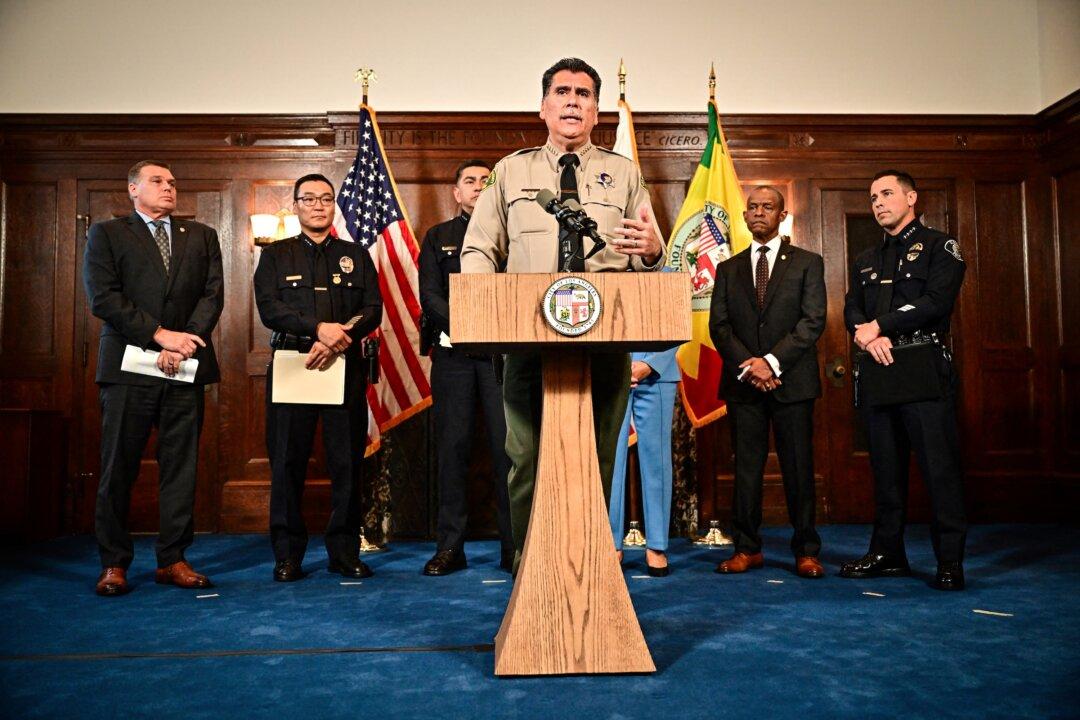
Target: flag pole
{"x": 622, "y": 80}
{"x": 367, "y": 76}
{"x": 715, "y": 537}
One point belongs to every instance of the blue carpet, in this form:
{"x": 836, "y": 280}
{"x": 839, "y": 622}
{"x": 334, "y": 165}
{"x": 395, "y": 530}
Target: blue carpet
{"x": 761, "y": 645}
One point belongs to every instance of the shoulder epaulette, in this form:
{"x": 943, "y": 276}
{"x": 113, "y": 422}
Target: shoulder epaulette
{"x": 609, "y": 152}
{"x": 526, "y": 150}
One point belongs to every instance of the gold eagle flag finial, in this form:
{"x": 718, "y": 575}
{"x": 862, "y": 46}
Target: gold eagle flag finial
{"x": 366, "y": 77}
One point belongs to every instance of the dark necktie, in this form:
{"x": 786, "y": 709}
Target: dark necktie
{"x": 568, "y": 190}
{"x": 761, "y": 275}
{"x": 324, "y": 311}
{"x": 888, "y": 271}
{"x": 161, "y": 237}
{"x": 568, "y": 180}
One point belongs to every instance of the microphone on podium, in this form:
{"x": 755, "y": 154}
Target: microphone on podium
{"x": 571, "y": 217}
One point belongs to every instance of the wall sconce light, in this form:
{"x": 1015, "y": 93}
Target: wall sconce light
{"x": 787, "y": 225}
{"x": 267, "y": 228}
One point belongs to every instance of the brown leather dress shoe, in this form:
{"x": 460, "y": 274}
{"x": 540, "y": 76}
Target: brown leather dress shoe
{"x": 112, "y": 582}
{"x": 740, "y": 562}
{"x": 181, "y": 575}
{"x": 809, "y": 567}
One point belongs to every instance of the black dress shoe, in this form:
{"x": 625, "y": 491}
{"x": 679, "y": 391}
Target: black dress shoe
{"x": 352, "y": 568}
{"x": 873, "y": 565}
{"x": 950, "y": 576}
{"x": 506, "y": 559}
{"x": 445, "y": 562}
{"x": 287, "y": 571}
{"x": 659, "y": 571}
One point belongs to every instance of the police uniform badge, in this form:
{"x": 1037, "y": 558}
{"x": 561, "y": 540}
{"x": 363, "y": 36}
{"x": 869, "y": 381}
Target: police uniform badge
{"x": 337, "y": 278}
{"x": 912, "y": 256}
{"x": 346, "y": 264}
{"x": 605, "y": 180}
{"x": 953, "y": 248}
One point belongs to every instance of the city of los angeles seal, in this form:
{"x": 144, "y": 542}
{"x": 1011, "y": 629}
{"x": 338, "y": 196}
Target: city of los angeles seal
{"x": 571, "y": 306}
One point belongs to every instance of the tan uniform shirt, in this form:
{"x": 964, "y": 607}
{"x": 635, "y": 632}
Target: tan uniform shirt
{"x": 509, "y": 229}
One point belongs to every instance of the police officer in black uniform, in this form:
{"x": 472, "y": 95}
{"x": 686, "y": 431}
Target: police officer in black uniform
{"x": 319, "y": 295}
{"x": 458, "y": 379}
{"x": 903, "y": 292}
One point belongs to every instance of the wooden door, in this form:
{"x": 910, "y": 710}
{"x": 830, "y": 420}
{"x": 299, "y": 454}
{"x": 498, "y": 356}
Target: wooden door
{"x": 99, "y": 200}
{"x": 848, "y": 227}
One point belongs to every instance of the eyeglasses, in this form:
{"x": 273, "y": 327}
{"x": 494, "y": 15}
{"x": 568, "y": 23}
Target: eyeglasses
{"x": 310, "y": 200}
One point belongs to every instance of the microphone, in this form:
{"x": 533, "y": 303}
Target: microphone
{"x": 598, "y": 242}
{"x": 572, "y": 217}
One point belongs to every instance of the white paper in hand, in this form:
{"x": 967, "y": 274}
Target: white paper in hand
{"x": 294, "y": 383}
{"x": 144, "y": 362}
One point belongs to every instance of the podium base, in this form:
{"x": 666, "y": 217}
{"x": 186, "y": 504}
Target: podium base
{"x": 570, "y": 610}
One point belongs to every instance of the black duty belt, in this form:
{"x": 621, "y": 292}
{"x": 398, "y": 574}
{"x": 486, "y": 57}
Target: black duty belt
{"x": 921, "y": 337}
{"x": 286, "y": 341}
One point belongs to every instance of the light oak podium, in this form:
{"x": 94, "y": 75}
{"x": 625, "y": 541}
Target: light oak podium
{"x": 570, "y": 611}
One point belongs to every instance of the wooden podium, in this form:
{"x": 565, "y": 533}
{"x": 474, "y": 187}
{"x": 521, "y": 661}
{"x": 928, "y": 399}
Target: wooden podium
{"x": 570, "y": 611}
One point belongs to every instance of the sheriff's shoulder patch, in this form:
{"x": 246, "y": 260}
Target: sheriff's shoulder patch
{"x": 953, "y": 248}
{"x": 490, "y": 181}
{"x": 644, "y": 185}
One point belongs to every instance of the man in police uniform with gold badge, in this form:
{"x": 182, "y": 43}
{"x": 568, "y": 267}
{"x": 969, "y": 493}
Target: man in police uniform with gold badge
{"x": 458, "y": 380}
{"x": 899, "y": 301}
{"x": 510, "y": 232}
{"x": 320, "y": 296}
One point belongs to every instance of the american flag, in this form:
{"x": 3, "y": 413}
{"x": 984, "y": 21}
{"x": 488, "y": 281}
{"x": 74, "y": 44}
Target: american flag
{"x": 707, "y": 240}
{"x": 370, "y": 213}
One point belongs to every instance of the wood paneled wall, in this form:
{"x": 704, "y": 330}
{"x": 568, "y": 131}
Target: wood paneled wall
{"x": 1007, "y": 186}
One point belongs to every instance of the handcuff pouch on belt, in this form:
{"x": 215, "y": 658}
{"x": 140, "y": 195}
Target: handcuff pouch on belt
{"x": 919, "y": 372}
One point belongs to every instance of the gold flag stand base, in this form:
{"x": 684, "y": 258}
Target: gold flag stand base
{"x": 715, "y": 537}
{"x": 369, "y": 547}
{"x": 634, "y": 538}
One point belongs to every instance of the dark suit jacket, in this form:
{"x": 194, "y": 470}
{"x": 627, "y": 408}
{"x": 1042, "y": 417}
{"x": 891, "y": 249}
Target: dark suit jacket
{"x": 788, "y": 327}
{"x": 127, "y": 288}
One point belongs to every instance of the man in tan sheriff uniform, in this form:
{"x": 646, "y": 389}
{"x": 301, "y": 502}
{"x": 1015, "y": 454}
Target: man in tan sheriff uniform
{"x": 510, "y": 232}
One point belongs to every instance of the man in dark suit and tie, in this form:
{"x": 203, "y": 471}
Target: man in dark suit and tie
{"x": 768, "y": 310}
{"x": 156, "y": 282}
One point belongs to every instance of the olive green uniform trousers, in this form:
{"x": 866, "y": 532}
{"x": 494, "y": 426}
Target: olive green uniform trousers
{"x": 523, "y": 397}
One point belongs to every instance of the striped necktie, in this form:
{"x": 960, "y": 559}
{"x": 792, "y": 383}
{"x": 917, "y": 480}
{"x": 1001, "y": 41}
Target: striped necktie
{"x": 161, "y": 237}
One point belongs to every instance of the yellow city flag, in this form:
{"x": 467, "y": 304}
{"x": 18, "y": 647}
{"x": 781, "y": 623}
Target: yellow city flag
{"x": 708, "y": 230}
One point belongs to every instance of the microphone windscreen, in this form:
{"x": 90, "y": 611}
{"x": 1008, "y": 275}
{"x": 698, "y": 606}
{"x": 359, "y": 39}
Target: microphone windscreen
{"x": 574, "y": 205}
{"x": 545, "y": 198}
